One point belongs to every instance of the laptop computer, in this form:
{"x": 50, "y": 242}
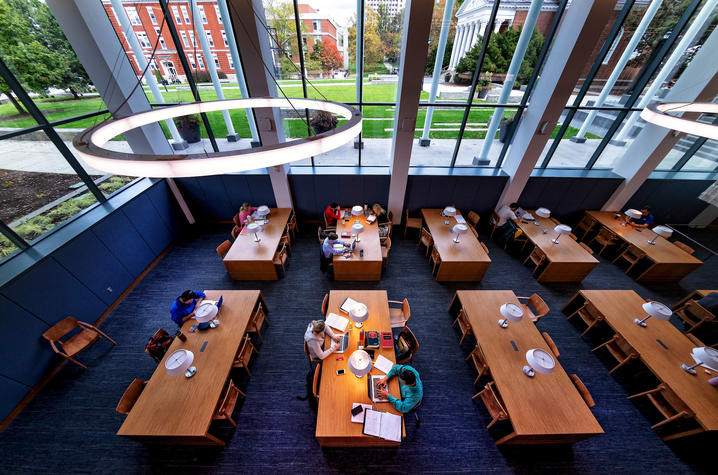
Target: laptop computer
{"x": 373, "y": 388}
{"x": 343, "y": 343}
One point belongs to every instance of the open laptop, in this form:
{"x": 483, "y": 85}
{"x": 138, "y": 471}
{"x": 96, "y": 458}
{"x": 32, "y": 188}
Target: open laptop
{"x": 343, "y": 343}
{"x": 373, "y": 388}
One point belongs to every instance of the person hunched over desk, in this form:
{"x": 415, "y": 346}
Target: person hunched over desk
{"x": 314, "y": 336}
{"x": 184, "y": 306}
{"x": 409, "y": 386}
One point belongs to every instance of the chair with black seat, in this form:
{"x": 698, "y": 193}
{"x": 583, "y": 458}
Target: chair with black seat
{"x": 492, "y": 400}
{"x": 668, "y": 404}
{"x": 78, "y": 341}
{"x": 399, "y": 315}
{"x": 477, "y": 356}
{"x": 426, "y": 240}
{"x": 694, "y": 315}
{"x": 405, "y": 346}
{"x": 632, "y": 254}
{"x": 620, "y": 349}
{"x": 223, "y": 249}
{"x": 413, "y": 223}
{"x": 227, "y": 403}
{"x": 132, "y": 393}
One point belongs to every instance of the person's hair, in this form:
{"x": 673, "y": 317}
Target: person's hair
{"x": 514, "y": 205}
{"x": 647, "y": 208}
{"x": 376, "y": 207}
{"x": 187, "y": 295}
{"x": 244, "y": 207}
{"x": 408, "y": 376}
{"x": 333, "y": 205}
{"x": 317, "y": 326}
{"x": 333, "y": 236}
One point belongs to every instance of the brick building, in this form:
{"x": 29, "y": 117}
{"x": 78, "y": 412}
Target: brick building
{"x": 317, "y": 27}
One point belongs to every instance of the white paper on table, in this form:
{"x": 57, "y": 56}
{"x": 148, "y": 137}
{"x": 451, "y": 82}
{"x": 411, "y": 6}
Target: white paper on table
{"x": 460, "y": 219}
{"x": 337, "y": 321}
{"x": 348, "y": 305}
{"x": 359, "y": 418}
{"x": 371, "y": 219}
{"x": 383, "y": 364}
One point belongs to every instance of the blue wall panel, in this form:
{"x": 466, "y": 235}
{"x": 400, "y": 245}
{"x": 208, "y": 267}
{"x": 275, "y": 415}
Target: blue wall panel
{"x": 567, "y": 197}
{"x": 24, "y": 353}
{"x": 12, "y": 393}
{"x": 673, "y": 201}
{"x": 167, "y": 207}
{"x": 477, "y": 193}
{"x": 144, "y": 217}
{"x": 125, "y": 243}
{"x": 216, "y": 196}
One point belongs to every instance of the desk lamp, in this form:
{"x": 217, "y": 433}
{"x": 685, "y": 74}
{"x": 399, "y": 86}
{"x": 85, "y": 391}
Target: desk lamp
{"x": 702, "y": 355}
{"x": 360, "y": 363}
{"x": 357, "y": 228}
{"x": 539, "y": 361}
{"x": 560, "y": 229}
{"x": 663, "y": 231}
{"x": 542, "y": 213}
{"x": 206, "y": 311}
{"x": 263, "y": 211}
{"x": 180, "y": 362}
{"x": 254, "y": 228}
{"x": 631, "y": 213}
{"x": 357, "y": 210}
{"x": 358, "y": 314}
{"x": 459, "y": 229}
{"x": 654, "y": 309}
{"x": 511, "y": 313}
{"x": 449, "y": 211}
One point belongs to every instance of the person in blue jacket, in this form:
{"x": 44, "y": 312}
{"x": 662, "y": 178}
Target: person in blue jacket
{"x": 409, "y": 386}
{"x": 645, "y": 220}
{"x": 183, "y": 307}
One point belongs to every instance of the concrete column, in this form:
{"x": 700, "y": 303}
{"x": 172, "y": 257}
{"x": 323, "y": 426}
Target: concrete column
{"x": 477, "y": 34}
{"x": 92, "y": 36}
{"x": 698, "y": 83}
{"x": 457, "y": 45}
{"x": 417, "y": 25}
{"x": 261, "y": 84}
{"x": 464, "y": 42}
{"x": 582, "y": 24}
{"x": 470, "y": 38}
{"x": 359, "y": 62}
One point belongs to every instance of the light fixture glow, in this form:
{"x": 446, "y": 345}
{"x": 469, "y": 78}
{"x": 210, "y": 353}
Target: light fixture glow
{"x": 360, "y": 363}
{"x": 511, "y": 313}
{"x": 459, "y": 229}
{"x": 658, "y": 114}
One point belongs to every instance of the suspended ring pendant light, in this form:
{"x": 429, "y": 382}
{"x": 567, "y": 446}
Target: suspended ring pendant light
{"x": 658, "y": 114}
{"x": 90, "y": 142}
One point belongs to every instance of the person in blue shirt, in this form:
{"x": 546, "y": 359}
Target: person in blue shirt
{"x": 645, "y": 220}
{"x": 409, "y": 386}
{"x": 183, "y": 307}
{"x": 328, "y": 245}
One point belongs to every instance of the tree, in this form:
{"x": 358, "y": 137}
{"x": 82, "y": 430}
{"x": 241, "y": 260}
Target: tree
{"x": 388, "y": 27}
{"x": 663, "y": 22}
{"x": 280, "y": 16}
{"x": 330, "y": 57}
{"x": 373, "y": 50}
{"x": 431, "y": 60}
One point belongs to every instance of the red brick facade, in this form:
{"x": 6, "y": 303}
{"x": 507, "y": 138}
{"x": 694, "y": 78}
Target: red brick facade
{"x": 327, "y": 34}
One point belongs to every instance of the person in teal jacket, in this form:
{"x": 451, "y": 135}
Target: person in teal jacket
{"x": 409, "y": 385}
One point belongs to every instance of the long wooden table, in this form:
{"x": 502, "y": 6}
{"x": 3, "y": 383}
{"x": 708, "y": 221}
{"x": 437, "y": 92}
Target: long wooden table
{"x": 178, "y": 410}
{"x": 695, "y": 295}
{"x": 661, "y": 347}
{"x": 567, "y": 260}
{"x": 250, "y": 260}
{"x": 338, "y": 392}
{"x": 465, "y": 261}
{"x": 367, "y": 267}
{"x": 545, "y": 409}
{"x": 668, "y": 263}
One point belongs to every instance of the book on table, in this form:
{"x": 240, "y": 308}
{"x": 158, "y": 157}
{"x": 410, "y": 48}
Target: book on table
{"x": 384, "y": 425}
{"x": 337, "y": 321}
{"x": 348, "y": 304}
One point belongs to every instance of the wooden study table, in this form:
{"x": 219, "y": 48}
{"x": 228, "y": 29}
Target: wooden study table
{"x": 695, "y": 295}
{"x": 567, "y": 260}
{"x": 250, "y": 260}
{"x": 465, "y": 261}
{"x": 176, "y": 410}
{"x": 367, "y": 267}
{"x": 668, "y": 262}
{"x": 545, "y": 409}
{"x": 661, "y": 347}
{"x": 338, "y": 392}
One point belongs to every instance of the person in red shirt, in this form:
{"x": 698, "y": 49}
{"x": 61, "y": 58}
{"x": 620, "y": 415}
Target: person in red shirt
{"x": 331, "y": 214}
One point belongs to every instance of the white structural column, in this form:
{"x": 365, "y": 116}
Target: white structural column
{"x": 470, "y": 38}
{"x": 465, "y": 41}
{"x": 477, "y": 34}
{"x": 261, "y": 84}
{"x": 411, "y": 76}
{"x": 455, "y": 47}
{"x": 698, "y": 83}
{"x": 92, "y": 37}
{"x": 581, "y": 26}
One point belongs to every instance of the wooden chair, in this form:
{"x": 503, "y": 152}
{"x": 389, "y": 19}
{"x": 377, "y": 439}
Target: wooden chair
{"x": 694, "y": 314}
{"x": 223, "y": 249}
{"x": 315, "y": 381}
{"x": 474, "y": 232}
{"x": 435, "y": 259}
{"x": 540, "y": 307}
{"x": 573, "y": 236}
{"x": 280, "y": 258}
{"x": 227, "y": 403}
{"x": 399, "y": 316}
{"x": 589, "y": 314}
{"x": 477, "y": 356}
{"x": 132, "y": 393}
{"x": 464, "y": 325}
{"x": 537, "y": 256}
{"x": 309, "y": 356}
{"x": 473, "y": 219}
{"x": 667, "y": 403}
{"x": 320, "y": 235}
{"x": 494, "y": 404}
{"x": 684, "y": 247}
{"x": 256, "y": 320}
{"x": 694, "y": 339}
{"x": 236, "y": 220}
{"x": 385, "y": 251}
{"x": 582, "y": 390}
{"x": 244, "y": 355}
{"x": 159, "y": 334}
{"x": 68, "y": 348}
{"x": 486, "y": 249}
{"x": 632, "y": 255}
{"x": 605, "y": 238}
{"x": 235, "y": 232}
{"x": 552, "y": 346}
{"x": 286, "y": 240}
{"x": 414, "y": 223}
{"x": 620, "y": 349}
{"x": 406, "y": 338}
{"x": 325, "y": 304}
{"x": 585, "y": 225}
{"x": 494, "y": 223}
{"x": 586, "y": 247}
{"x": 292, "y": 225}
{"x": 425, "y": 239}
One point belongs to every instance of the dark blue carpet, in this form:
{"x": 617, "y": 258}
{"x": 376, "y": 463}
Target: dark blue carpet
{"x": 70, "y": 426}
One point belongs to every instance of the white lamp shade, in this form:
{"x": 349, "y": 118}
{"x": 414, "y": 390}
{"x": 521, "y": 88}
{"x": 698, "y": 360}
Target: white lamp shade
{"x": 633, "y": 213}
{"x": 357, "y": 210}
{"x": 543, "y": 212}
{"x": 663, "y": 231}
{"x": 511, "y": 312}
{"x": 449, "y": 211}
{"x": 263, "y": 210}
{"x": 253, "y": 228}
{"x": 178, "y": 362}
{"x": 206, "y": 311}
{"x": 706, "y": 355}
{"x": 357, "y": 228}
{"x": 540, "y": 360}
{"x": 359, "y": 313}
{"x": 460, "y": 228}
{"x": 657, "y": 310}
{"x": 562, "y": 229}
{"x": 360, "y": 363}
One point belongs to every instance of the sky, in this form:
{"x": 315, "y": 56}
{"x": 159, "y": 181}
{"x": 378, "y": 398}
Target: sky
{"x": 339, "y": 10}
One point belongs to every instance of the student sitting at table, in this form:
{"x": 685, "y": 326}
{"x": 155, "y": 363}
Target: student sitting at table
{"x": 331, "y": 214}
{"x": 506, "y": 213}
{"x": 409, "y": 386}
{"x": 183, "y": 307}
{"x": 382, "y": 219}
{"x": 245, "y": 212}
{"x": 314, "y": 336}
{"x": 328, "y": 250}
{"x": 645, "y": 220}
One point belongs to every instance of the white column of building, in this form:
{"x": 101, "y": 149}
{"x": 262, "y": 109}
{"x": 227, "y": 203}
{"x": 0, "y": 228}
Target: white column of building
{"x": 460, "y": 52}
{"x": 698, "y": 83}
{"x": 582, "y": 24}
{"x": 232, "y": 136}
{"x": 470, "y": 38}
{"x": 455, "y": 47}
{"x": 477, "y": 34}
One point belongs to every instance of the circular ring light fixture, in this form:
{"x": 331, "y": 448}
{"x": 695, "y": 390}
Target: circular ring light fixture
{"x": 658, "y": 114}
{"x": 90, "y": 142}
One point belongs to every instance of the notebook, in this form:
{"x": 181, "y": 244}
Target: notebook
{"x": 371, "y": 219}
{"x": 337, "y": 321}
{"x": 383, "y": 364}
{"x": 382, "y": 424}
{"x": 359, "y": 418}
{"x": 348, "y": 304}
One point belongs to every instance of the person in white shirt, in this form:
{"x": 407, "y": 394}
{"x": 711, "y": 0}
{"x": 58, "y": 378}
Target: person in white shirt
{"x": 507, "y": 212}
{"x": 314, "y": 336}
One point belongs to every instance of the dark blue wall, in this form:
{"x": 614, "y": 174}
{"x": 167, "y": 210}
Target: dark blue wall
{"x": 673, "y": 200}
{"x": 81, "y": 278}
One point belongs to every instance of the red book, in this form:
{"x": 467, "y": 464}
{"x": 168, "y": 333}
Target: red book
{"x": 386, "y": 340}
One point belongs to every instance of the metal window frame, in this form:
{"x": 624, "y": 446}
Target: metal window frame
{"x": 300, "y": 50}
{"x": 697, "y": 144}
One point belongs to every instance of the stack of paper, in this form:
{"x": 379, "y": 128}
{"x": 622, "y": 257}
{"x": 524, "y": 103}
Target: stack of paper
{"x": 383, "y": 364}
{"x": 359, "y": 418}
{"x": 337, "y": 321}
{"x": 348, "y": 305}
{"x": 382, "y": 424}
